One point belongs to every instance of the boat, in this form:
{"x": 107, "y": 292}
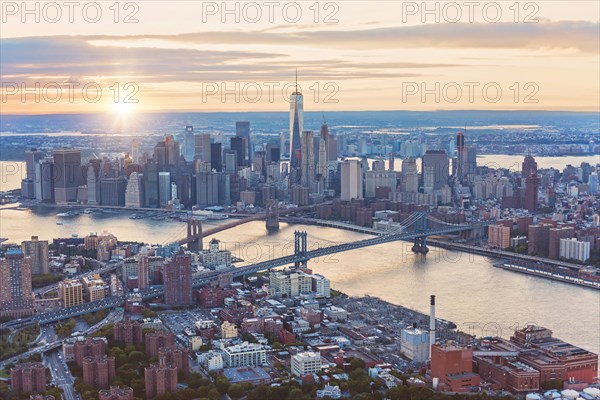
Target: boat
{"x": 64, "y": 214}
{"x": 59, "y": 223}
{"x": 209, "y": 215}
{"x": 88, "y": 211}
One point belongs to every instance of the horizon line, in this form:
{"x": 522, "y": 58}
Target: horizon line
{"x": 306, "y": 112}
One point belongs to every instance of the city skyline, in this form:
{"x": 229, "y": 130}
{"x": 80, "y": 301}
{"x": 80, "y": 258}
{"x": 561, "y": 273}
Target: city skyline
{"x": 299, "y": 200}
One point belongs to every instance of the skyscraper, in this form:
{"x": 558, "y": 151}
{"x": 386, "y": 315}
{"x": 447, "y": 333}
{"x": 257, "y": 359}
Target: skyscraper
{"x": 173, "y": 151}
{"x": 230, "y": 164}
{"x": 143, "y": 271}
{"x": 189, "y": 144}
{"x": 242, "y": 129}
{"x": 238, "y": 144}
{"x": 296, "y": 126}
{"x": 93, "y": 185}
{"x": 307, "y": 166}
{"x": 202, "y": 147}
{"x": 436, "y": 168}
{"x": 461, "y": 156}
{"x": 207, "y": 189}
{"x": 410, "y": 175}
{"x": 216, "y": 157}
{"x": 532, "y": 183}
{"x": 67, "y": 174}
{"x": 178, "y": 280}
{"x": 135, "y": 150}
{"x": 593, "y": 183}
{"x": 322, "y": 164}
{"x": 160, "y": 155}
{"x": 44, "y": 184}
{"x": 16, "y": 296}
{"x": 133, "y": 192}
{"x": 164, "y": 188}
{"x": 112, "y": 191}
{"x": 37, "y": 251}
{"x": 151, "y": 184}
{"x": 32, "y": 158}
{"x": 351, "y": 180}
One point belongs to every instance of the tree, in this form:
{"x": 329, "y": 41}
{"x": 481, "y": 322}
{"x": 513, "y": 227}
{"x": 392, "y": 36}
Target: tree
{"x": 222, "y": 384}
{"x": 214, "y": 394}
{"x": 136, "y": 356}
{"x": 235, "y": 391}
{"x": 357, "y": 363}
{"x": 295, "y": 394}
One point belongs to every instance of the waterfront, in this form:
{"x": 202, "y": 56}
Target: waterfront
{"x": 469, "y": 289}
{"x": 11, "y": 172}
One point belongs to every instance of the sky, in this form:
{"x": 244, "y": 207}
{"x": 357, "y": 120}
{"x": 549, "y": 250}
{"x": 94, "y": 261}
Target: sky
{"x": 155, "y": 55}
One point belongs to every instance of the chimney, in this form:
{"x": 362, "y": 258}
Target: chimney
{"x": 432, "y": 324}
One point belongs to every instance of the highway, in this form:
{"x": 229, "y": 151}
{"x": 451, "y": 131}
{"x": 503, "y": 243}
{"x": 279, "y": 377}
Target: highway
{"x": 48, "y": 341}
{"x": 100, "y": 268}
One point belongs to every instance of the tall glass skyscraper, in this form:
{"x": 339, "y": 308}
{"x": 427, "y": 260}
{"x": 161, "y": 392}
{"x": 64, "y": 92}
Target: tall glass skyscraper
{"x": 296, "y": 126}
{"x": 189, "y": 143}
{"x": 242, "y": 129}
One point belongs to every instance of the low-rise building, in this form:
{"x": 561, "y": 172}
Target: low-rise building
{"x": 306, "y": 363}
{"x": 414, "y": 344}
{"x": 228, "y": 330}
{"x": 213, "y": 360}
{"x": 506, "y": 373}
{"x": 244, "y": 354}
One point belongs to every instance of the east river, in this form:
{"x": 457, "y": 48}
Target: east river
{"x": 478, "y": 297}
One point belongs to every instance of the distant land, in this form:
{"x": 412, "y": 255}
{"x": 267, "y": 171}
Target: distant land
{"x": 158, "y": 123}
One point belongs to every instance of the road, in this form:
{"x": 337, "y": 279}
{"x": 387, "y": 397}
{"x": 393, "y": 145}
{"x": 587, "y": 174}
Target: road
{"x": 99, "y": 268}
{"x": 61, "y": 376}
{"x": 48, "y": 341}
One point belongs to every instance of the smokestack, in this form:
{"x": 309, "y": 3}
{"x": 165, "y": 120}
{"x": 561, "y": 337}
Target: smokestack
{"x": 432, "y": 324}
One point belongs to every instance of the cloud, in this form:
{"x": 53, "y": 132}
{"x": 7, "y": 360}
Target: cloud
{"x": 545, "y": 35}
{"x": 45, "y": 59}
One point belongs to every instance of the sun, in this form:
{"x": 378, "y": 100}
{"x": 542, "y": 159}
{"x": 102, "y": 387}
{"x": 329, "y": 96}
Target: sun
{"x": 122, "y": 107}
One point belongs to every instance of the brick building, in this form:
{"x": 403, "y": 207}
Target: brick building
{"x": 177, "y": 275}
{"x": 128, "y": 332}
{"x": 175, "y": 355}
{"x": 211, "y": 297}
{"x": 553, "y": 358}
{"x": 508, "y": 374}
{"x": 89, "y": 347}
{"x": 159, "y": 379}
{"x": 98, "y": 371}
{"x": 28, "y": 377}
{"x": 453, "y": 366}
{"x": 155, "y": 340}
{"x": 537, "y": 236}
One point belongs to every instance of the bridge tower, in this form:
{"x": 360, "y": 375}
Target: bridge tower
{"x": 420, "y": 245}
{"x": 300, "y": 248}
{"x": 272, "y": 219}
{"x": 194, "y": 235}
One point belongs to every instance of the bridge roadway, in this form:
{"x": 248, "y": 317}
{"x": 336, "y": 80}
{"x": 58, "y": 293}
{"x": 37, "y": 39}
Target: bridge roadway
{"x": 204, "y": 279}
{"x": 255, "y": 217}
{"x": 100, "y": 271}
